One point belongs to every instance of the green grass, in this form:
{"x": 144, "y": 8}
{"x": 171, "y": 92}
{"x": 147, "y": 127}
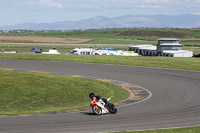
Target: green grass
{"x": 161, "y": 62}
{"x": 111, "y": 33}
{"x": 196, "y": 50}
{"x": 28, "y": 92}
{"x": 68, "y": 48}
{"x": 60, "y": 48}
{"x": 103, "y": 36}
{"x": 189, "y": 42}
{"x": 37, "y": 34}
{"x": 118, "y": 41}
{"x": 177, "y": 130}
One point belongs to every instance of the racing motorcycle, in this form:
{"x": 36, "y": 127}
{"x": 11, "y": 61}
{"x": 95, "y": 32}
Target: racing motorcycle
{"x": 102, "y": 106}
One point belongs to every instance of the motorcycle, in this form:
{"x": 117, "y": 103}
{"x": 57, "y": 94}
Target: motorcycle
{"x": 102, "y": 106}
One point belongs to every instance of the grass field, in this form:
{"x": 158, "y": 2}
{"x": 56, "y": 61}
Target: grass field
{"x": 60, "y": 48}
{"x": 144, "y": 36}
{"x": 119, "y": 41}
{"x": 68, "y": 48}
{"x": 27, "y": 39}
{"x": 161, "y": 62}
{"x": 50, "y": 93}
{"x": 177, "y": 130}
{"x": 28, "y": 92}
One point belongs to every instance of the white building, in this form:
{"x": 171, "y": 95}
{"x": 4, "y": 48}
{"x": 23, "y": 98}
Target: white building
{"x": 83, "y": 51}
{"x": 178, "y": 53}
{"x": 103, "y": 51}
{"x": 171, "y": 47}
{"x": 51, "y": 51}
{"x": 165, "y": 47}
{"x": 107, "y": 51}
{"x": 144, "y": 50}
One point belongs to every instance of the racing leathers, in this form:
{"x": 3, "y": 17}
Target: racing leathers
{"x": 101, "y": 103}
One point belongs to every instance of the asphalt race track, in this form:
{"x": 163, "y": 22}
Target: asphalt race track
{"x": 175, "y": 100}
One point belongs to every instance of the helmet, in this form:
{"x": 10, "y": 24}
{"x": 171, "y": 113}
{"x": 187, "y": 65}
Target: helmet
{"x": 91, "y": 95}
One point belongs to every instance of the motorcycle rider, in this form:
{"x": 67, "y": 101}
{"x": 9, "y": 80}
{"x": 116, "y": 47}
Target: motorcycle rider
{"x": 102, "y": 102}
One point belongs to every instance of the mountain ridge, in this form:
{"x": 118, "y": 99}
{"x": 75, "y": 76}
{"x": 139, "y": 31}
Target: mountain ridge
{"x": 126, "y": 21}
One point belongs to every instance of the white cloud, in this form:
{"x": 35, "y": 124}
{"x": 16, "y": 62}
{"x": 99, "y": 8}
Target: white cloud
{"x": 154, "y": 1}
{"x": 114, "y": 4}
{"x": 140, "y": 1}
{"x": 45, "y": 3}
{"x": 148, "y": 6}
{"x": 196, "y": 13}
{"x": 100, "y": 5}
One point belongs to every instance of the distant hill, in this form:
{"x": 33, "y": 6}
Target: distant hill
{"x": 129, "y": 21}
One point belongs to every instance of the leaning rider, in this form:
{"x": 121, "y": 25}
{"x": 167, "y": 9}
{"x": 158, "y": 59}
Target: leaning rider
{"x": 93, "y": 97}
{"x": 98, "y": 98}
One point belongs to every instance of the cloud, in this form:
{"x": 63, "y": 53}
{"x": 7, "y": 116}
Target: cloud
{"x": 140, "y": 1}
{"x": 154, "y": 1}
{"x": 113, "y": 4}
{"x": 44, "y": 3}
{"x": 195, "y": 13}
{"x": 99, "y": 5}
{"x": 149, "y": 6}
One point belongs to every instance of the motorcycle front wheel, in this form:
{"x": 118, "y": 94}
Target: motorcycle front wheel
{"x": 96, "y": 110}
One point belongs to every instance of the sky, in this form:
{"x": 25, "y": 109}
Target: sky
{"x": 48, "y": 11}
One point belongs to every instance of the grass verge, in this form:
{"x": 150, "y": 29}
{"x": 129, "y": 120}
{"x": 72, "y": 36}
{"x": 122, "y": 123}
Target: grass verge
{"x": 122, "y": 36}
{"x": 68, "y": 48}
{"x": 161, "y": 62}
{"x": 60, "y": 48}
{"x": 177, "y": 130}
{"x": 118, "y": 41}
{"x": 28, "y": 92}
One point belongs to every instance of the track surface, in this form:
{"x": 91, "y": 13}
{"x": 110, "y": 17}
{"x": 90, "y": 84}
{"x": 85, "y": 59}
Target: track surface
{"x": 175, "y": 100}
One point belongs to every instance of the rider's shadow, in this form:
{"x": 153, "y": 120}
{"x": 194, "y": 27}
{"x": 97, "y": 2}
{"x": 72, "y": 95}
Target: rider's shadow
{"x": 88, "y": 113}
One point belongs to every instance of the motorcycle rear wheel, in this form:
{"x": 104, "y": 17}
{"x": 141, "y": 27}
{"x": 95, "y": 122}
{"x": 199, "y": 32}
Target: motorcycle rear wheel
{"x": 113, "y": 109}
